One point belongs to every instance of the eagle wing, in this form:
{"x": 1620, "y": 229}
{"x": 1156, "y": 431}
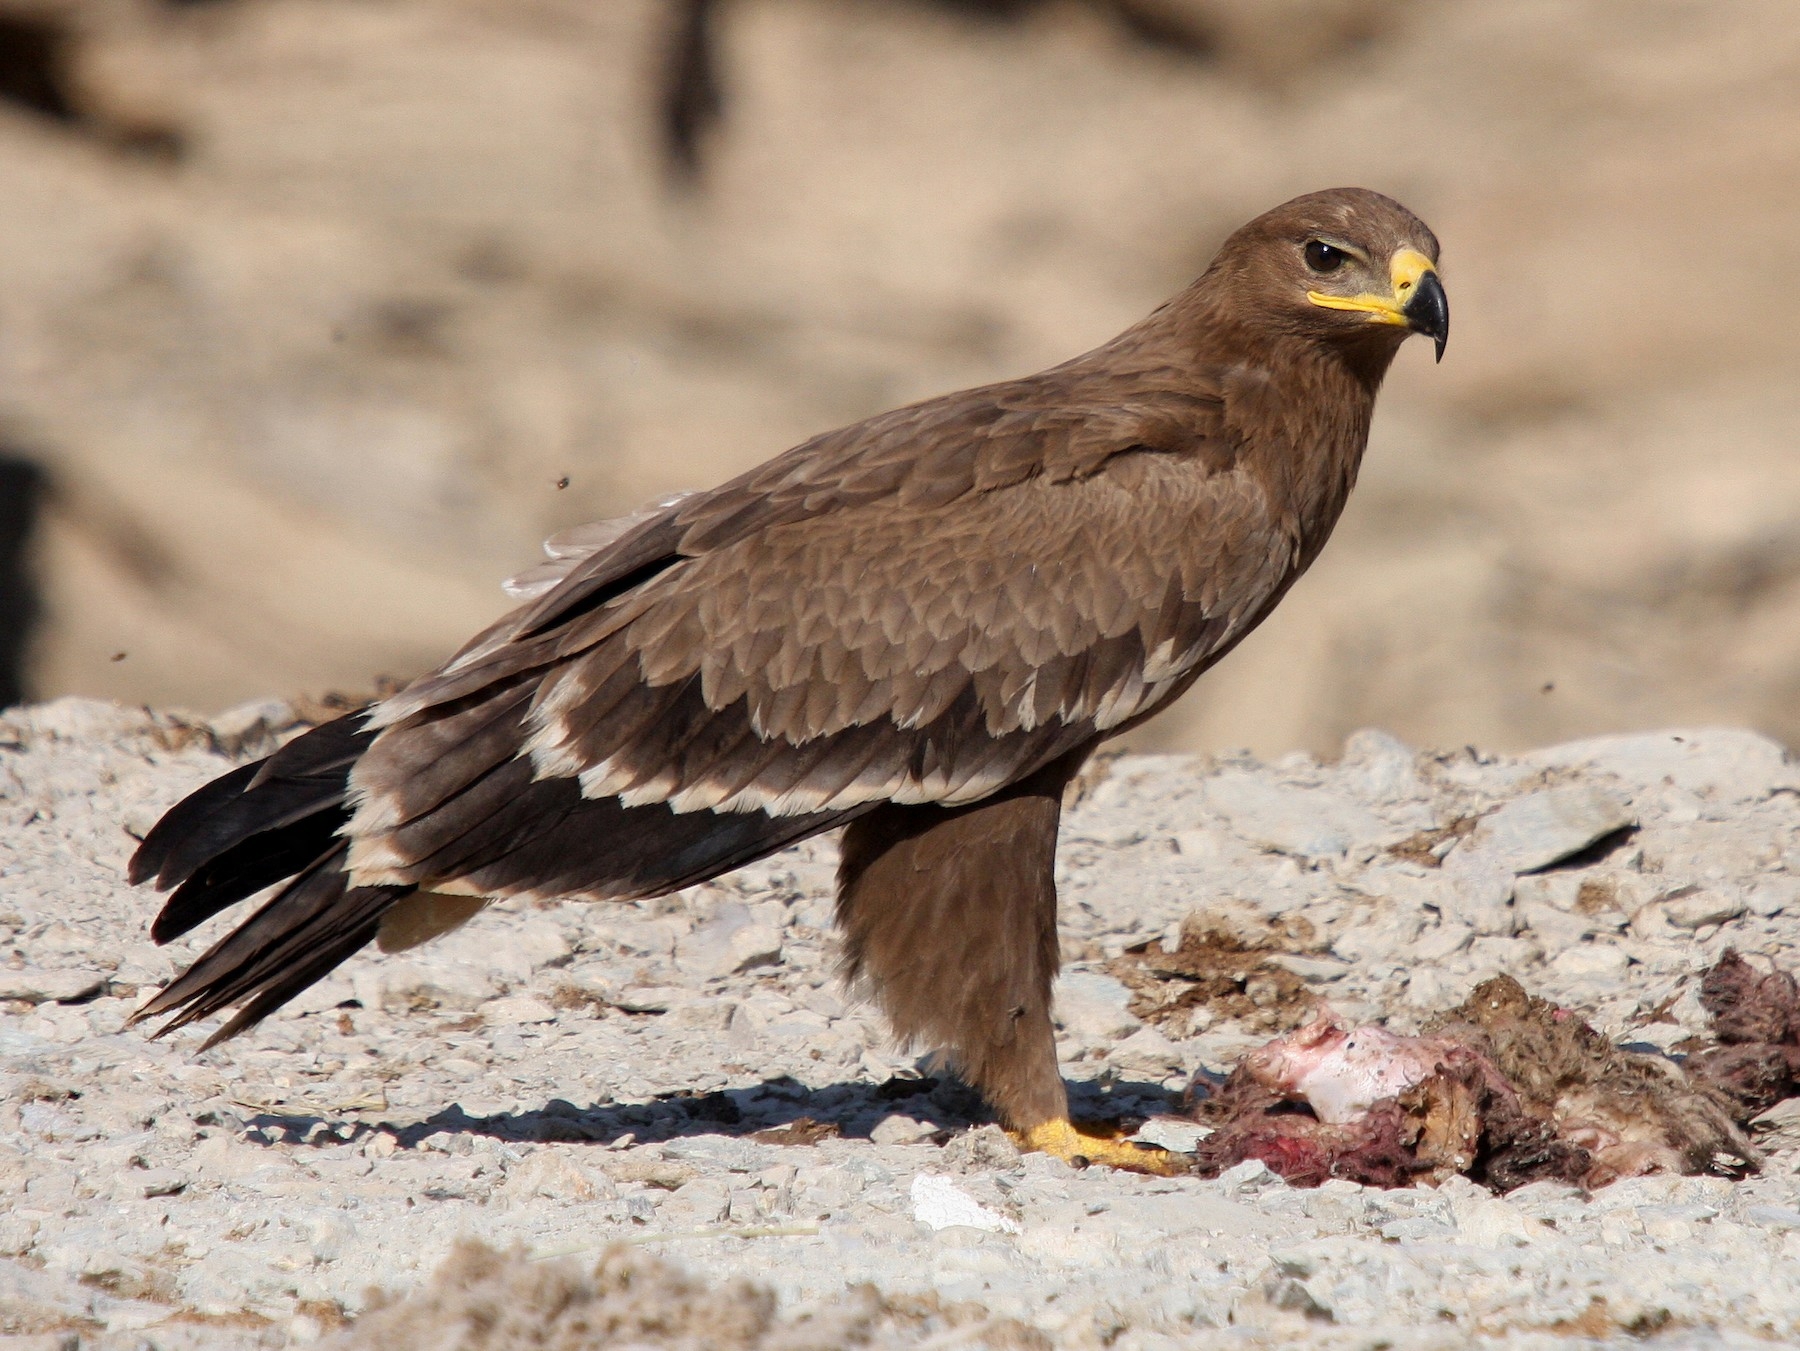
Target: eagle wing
{"x": 923, "y": 608}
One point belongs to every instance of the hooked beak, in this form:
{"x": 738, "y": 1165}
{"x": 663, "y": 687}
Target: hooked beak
{"x": 1427, "y": 310}
{"x": 1418, "y": 301}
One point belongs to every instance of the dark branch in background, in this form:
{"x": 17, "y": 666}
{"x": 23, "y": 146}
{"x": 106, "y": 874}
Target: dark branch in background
{"x": 1160, "y": 27}
{"x": 34, "y": 66}
{"x": 37, "y": 73}
{"x": 22, "y": 486}
{"x": 692, "y": 100}
{"x": 691, "y": 96}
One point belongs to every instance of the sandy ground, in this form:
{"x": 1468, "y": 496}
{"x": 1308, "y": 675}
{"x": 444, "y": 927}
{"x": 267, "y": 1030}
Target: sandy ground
{"x": 316, "y": 302}
{"x": 685, "y": 1077}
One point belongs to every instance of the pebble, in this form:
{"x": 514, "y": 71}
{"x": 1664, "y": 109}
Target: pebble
{"x": 33, "y": 986}
{"x": 564, "y": 1077}
{"x": 1702, "y": 907}
{"x": 516, "y": 1010}
{"x": 940, "y": 1203}
{"x": 1590, "y": 959}
{"x": 1172, "y": 1133}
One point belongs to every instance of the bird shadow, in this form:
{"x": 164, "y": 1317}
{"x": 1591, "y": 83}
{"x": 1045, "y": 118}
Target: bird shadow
{"x": 781, "y": 1110}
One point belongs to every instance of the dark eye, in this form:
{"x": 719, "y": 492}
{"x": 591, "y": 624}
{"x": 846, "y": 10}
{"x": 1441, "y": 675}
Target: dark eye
{"x": 1321, "y": 257}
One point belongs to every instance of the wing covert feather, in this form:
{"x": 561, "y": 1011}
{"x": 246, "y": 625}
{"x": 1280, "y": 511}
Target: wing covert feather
{"x": 1028, "y": 612}
{"x": 920, "y": 608}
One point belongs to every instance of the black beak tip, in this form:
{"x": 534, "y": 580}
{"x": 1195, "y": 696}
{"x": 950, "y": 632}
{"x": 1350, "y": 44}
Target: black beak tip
{"x": 1428, "y": 311}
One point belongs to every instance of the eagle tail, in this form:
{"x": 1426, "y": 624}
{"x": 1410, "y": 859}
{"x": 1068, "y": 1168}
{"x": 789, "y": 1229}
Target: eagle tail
{"x": 261, "y": 824}
{"x": 298, "y": 937}
{"x": 251, "y": 828}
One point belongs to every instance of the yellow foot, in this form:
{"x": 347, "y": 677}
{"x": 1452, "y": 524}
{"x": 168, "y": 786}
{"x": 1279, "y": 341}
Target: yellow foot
{"x": 1060, "y": 1139}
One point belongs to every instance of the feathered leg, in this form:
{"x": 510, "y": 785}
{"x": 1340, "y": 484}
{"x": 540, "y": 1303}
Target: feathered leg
{"x": 950, "y": 914}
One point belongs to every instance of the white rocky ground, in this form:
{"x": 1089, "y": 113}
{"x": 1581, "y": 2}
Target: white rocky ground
{"x": 564, "y": 1078}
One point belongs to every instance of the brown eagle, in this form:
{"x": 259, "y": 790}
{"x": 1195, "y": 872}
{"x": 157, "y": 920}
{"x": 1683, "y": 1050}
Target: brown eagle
{"x": 915, "y": 628}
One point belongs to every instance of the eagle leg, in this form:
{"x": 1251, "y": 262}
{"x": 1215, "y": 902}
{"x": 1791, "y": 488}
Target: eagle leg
{"x": 949, "y": 917}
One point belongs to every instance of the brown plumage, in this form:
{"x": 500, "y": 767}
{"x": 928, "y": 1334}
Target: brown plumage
{"x": 917, "y": 626}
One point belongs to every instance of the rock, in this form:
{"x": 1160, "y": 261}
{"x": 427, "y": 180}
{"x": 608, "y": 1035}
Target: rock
{"x": 1380, "y": 766}
{"x": 721, "y": 1151}
{"x": 1540, "y": 829}
{"x": 1091, "y": 1007}
{"x": 1201, "y": 842}
{"x": 1560, "y": 926}
{"x": 1698, "y": 908}
{"x": 516, "y": 1010}
{"x": 981, "y": 1149}
{"x": 1250, "y": 1175}
{"x": 701, "y": 1203}
{"x": 1651, "y": 923}
{"x": 1779, "y": 1218}
{"x": 32, "y": 985}
{"x": 653, "y": 998}
{"x": 1306, "y": 822}
{"x": 1478, "y": 894}
{"x": 1149, "y": 1053}
{"x": 1172, "y": 1133}
{"x": 1426, "y": 988}
{"x": 1315, "y": 970}
{"x": 1771, "y": 896}
{"x": 1558, "y": 891}
{"x": 553, "y": 1174}
{"x": 898, "y": 1129}
{"x": 1439, "y": 941}
{"x": 74, "y": 719}
{"x": 731, "y": 941}
{"x": 1783, "y": 1116}
{"x": 156, "y": 1182}
{"x": 1385, "y": 936}
{"x": 1721, "y": 764}
{"x": 1484, "y": 1220}
{"x": 1590, "y": 959}
{"x": 251, "y": 727}
{"x": 940, "y": 1203}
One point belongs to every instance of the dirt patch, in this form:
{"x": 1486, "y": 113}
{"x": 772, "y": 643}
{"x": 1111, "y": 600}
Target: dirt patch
{"x": 1226, "y": 974}
{"x": 801, "y": 1131}
{"x": 1428, "y": 847}
{"x": 481, "y": 1298}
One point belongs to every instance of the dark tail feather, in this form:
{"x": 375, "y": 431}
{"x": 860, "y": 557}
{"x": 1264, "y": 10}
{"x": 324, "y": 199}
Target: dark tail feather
{"x": 307, "y": 776}
{"x": 184, "y": 818}
{"x": 299, "y": 936}
{"x": 247, "y": 830}
{"x": 246, "y": 868}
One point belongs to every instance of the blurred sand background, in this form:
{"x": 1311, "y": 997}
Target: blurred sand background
{"x": 307, "y": 307}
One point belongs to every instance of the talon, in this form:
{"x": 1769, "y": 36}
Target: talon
{"x": 1079, "y": 1149}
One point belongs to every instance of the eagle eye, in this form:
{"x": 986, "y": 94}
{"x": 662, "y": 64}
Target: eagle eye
{"x": 1322, "y": 257}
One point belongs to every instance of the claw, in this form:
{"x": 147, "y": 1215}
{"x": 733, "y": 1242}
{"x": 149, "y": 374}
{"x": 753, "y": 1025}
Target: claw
{"x": 1062, "y": 1140}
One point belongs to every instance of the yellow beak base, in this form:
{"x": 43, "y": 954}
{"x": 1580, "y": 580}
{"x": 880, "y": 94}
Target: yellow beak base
{"x": 1406, "y": 269}
{"x": 1417, "y": 303}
